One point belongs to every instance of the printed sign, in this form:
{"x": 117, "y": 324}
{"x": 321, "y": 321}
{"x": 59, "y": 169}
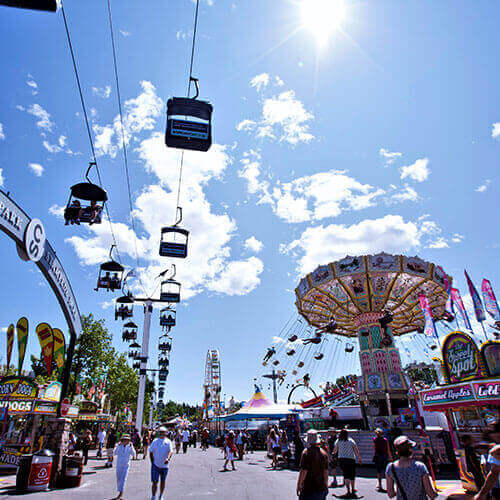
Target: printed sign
{"x": 88, "y": 407}
{"x": 59, "y": 348}
{"x": 18, "y": 388}
{"x": 18, "y": 406}
{"x": 46, "y": 338}
{"x": 52, "y": 392}
{"x": 9, "y": 457}
{"x": 487, "y": 390}
{"x": 490, "y": 351}
{"x": 461, "y": 358}
{"x": 22, "y": 340}
{"x": 45, "y": 408}
{"x": 448, "y": 395}
{"x": 10, "y": 343}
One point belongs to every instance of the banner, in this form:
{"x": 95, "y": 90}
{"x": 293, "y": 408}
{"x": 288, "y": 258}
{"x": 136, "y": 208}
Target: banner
{"x": 490, "y": 301}
{"x": 22, "y": 340}
{"x": 59, "y": 348}
{"x": 429, "y": 328}
{"x": 457, "y": 299}
{"x": 46, "y": 338}
{"x": 10, "y": 343}
{"x": 478, "y": 305}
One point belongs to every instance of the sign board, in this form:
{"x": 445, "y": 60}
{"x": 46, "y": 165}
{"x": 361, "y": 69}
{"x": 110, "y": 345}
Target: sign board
{"x": 18, "y": 388}
{"x": 490, "y": 351}
{"x": 88, "y": 408}
{"x": 461, "y": 358}
{"x": 448, "y": 395}
{"x": 64, "y": 407}
{"x": 489, "y": 389}
{"x": 45, "y": 408}
{"x": 17, "y": 406}
{"x": 51, "y": 392}
{"x": 9, "y": 457}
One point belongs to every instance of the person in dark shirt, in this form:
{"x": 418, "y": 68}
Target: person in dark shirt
{"x": 472, "y": 461}
{"x": 332, "y": 438}
{"x": 381, "y": 456}
{"x": 312, "y": 483}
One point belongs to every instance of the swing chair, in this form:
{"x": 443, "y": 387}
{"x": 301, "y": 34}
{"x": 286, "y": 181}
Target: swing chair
{"x": 293, "y": 338}
{"x": 319, "y": 356}
{"x": 90, "y": 213}
{"x": 349, "y": 347}
{"x": 110, "y": 274}
{"x": 291, "y": 352}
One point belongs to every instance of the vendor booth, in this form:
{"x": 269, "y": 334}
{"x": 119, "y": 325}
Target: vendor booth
{"x": 471, "y": 397}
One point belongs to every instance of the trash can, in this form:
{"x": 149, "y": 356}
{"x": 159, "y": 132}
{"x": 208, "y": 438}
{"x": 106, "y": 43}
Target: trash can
{"x": 72, "y": 471}
{"x": 23, "y": 472}
{"x": 39, "y": 476}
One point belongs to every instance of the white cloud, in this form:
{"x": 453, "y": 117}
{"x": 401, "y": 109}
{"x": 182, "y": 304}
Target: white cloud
{"x": 104, "y": 92}
{"x": 253, "y": 244}
{"x": 182, "y": 35}
{"x": 284, "y": 117}
{"x": 251, "y": 172}
{"x": 322, "y": 244}
{"x": 239, "y": 277}
{"x": 438, "y": 243}
{"x": 484, "y": 186}
{"x": 457, "y": 238}
{"x": 36, "y": 168}
{"x": 125, "y": 33}
{"x": 1, "y": 177}
{"x": 495, "y": 130}
{"x": 34, "y": 86}
{"x": 57, "y": 210}
{"x": 2, "y": 134}
{"x": 44, "y": 122}
{"x": 390, "y": 157}
{"x": 405, "y": 194}
{"x": 418, "y": 171}
{"x": 103, "y": 140}
{"x": 278, "y": 81}
{"x": 260, "y": 81}
{"x": 55, "y": 148}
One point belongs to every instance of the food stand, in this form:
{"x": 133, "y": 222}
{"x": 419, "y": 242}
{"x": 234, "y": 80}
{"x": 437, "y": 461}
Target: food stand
{"x": 24, "y": 407}
{"x": 471, "y": 397}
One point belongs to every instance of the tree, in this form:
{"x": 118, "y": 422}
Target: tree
{"x": 172, "y": 409}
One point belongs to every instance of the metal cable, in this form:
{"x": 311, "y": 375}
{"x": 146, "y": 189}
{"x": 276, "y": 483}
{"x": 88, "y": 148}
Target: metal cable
{"x": 84, "y": 108}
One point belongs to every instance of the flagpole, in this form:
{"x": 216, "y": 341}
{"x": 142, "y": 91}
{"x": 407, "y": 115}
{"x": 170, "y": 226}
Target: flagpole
{"x": 484, "y": 331}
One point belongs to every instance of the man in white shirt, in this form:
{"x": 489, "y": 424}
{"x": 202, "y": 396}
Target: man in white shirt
{"x": 185, "y": 440}
{"x": 101, "y": 439}
{"x": 160, "y": 453}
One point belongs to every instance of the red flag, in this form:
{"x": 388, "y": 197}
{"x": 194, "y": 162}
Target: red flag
{"x": 10, "y": 343}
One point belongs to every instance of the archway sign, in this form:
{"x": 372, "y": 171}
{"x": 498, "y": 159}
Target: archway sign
{"x": 32, "y": 245}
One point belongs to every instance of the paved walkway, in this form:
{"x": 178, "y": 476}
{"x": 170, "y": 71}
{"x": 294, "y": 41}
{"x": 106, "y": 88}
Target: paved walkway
{"x": 195, "y": 476}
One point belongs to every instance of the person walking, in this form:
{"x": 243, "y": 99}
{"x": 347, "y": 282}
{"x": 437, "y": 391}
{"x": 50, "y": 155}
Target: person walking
{"x": 194, "y": 437}
{"x": 273, "y": 445}
{"x": 110, "y": 446}
{"x": 71, "y": 444}
{"x": 204, "y": 439}
{"x": 178, "y": 441}
{"x": 285, "y": 448}
{"x": 185, "y": 439}
{"x": 123, "y": 452}
{"x": 160, "y": 453}
{"x": 381, "y": 456}
{"x": 239, "y": 444}
{"x": 86, "y": 443}
{"x": 101, "y": 440}
{"x": 230, "y": 448}
{"x": 136, "y": 441}
{"x": 472, "y": 461}
{"x": 492, "y": 482}
{"x": 347, "y": 452}
{"x": 146, "y": 439}
{"x": 331, "y": 440}
{"x": 312, "y": 483}
{"x": 410, "y": 477}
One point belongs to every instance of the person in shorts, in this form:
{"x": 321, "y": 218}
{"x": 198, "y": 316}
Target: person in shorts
{"x": 160, "y": 453}
{"x": 347, "y": 452}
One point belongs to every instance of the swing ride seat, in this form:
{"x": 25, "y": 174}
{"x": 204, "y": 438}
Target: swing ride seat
{"x": 45, "y": 5}
{"x": 194, "y": 134}
{"x": 319, "y": 356}
{"x": 169, "y": 248}
{"x": 349, "y": 348}
{"x": 290, "y": 353}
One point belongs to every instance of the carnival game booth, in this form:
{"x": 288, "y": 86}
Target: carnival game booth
{"x": 24, "y": 411}
{"x": 470, "y": 399}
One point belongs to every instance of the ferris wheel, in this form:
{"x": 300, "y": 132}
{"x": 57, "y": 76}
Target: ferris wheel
{"x": 212, "y": 383}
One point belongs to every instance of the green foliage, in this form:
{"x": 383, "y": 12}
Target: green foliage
{"x": 172, "y": 409}
{"x": 426, "y": 374}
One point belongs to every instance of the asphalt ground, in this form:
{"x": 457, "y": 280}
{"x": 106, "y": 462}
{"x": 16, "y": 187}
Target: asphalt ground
{"x": 199, "y": 475}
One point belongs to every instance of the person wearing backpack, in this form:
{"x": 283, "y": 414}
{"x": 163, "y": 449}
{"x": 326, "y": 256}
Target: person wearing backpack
{"x": 409, "y": 476}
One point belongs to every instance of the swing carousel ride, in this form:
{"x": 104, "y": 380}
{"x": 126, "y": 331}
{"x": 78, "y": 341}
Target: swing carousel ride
{"x": 355, "y": 308}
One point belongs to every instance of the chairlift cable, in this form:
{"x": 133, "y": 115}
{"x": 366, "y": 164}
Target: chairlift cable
{"x": 84, "y": 108}
{"x": 124, "y": 146}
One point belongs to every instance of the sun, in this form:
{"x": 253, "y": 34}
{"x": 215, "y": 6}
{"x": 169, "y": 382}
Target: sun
{"x": 322, "y": 17}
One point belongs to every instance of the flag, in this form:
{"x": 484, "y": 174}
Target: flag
{"x": 22, "y": 340}
{"x": 429, "y": 328}
{"x": 478, "y": 305}
{"x": 46, "y": 338}
{"x": 490, "y": 301}
{"x": 457, "y": 299}
{"x": 59, "y": 348}
{"x": 91, "y": 392}
{"x": 10, "y": 343}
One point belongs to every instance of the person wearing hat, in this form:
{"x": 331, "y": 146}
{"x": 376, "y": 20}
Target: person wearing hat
{"x": 312, "y": 483}
{"x": 410, "y": 476}
{"x": 123, "y": 453}
{"x": 160, "y": 453}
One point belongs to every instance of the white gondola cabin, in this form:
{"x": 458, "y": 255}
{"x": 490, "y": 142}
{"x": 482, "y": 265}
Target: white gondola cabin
{"x": 170, "y": 291}
{"x": 124, "y": 307}
{"x": 174, "y": 242}
{"x": 189, "y": 124}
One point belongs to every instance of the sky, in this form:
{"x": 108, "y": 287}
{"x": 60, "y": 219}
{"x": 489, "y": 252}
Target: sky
{"x": 383, "y": 134}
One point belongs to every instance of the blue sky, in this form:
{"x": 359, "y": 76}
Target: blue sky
{"x": 384, "y": 138}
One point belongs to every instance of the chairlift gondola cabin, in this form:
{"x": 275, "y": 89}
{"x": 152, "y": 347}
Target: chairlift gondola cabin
{"x": 165, "y": 346}
{"x": 45, "y": 5}
{"x": 169, "y": 246}
{"x": 90, "y": 213}
{"x": 124, "y": 307}
{"x": 170, "y": 291}
{"x": 349, "y": 347}
{"x": 167, "y": 316}
{"x": 189, "y": 123}
{"x": 110, "y": 274}
{"x": 129, "y": 331}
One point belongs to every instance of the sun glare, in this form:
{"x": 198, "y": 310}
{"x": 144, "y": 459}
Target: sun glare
{"x": 322, "y": 17}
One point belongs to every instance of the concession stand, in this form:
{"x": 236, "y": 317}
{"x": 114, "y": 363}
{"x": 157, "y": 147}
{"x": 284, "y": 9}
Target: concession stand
{"x": 470, "y": 399}
{"x": 24, "y": 409}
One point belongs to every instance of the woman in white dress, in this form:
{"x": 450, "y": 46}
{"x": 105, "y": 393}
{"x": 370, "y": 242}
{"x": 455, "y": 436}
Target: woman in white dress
{"x": 123, "y": 453}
